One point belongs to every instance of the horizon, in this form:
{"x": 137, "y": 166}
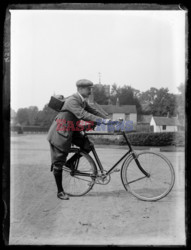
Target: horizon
{"x": 106, "y": 104}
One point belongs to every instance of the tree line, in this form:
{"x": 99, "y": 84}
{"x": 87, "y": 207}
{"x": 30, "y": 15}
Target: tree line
{"x": 158, "y": 102}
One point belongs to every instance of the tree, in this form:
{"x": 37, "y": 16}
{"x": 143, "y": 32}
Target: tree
{"x": 23, "y": 116}
{"x": 46, "y": 117}
{"x": 114, "y": 89}
{"x": 99, "y": 94}
{"x": 164, "y": 103}
{"x": 126, "y": 96}
{"x": 32, "y": 115}
{"x": 113, "y": 95}
{"x": 159, "y": 102}
{"x": 148, "y": 97}
{"x": 180, "y": 100}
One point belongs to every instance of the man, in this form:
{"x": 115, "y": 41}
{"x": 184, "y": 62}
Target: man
{"x": 60, "y": 138}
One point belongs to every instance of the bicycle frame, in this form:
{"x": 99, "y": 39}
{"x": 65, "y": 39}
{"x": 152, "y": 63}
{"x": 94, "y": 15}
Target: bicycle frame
{"x": 129, "y": 152}
{"x": 82, "y": 175}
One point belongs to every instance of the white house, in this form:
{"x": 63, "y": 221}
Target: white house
{"x": 164, "y": 124}
{"x": 125, "y": 112}
{"x": 116, "y": 112}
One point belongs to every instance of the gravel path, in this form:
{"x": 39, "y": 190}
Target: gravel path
{"x": 107, "y": 215}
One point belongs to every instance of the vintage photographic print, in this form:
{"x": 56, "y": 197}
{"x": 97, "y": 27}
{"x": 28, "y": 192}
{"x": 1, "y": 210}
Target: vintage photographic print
{"x": 96, "y": 95}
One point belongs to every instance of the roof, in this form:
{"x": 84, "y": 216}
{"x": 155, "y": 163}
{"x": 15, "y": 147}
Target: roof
{"x": 99, "y": 107}
{"x": 169, "y": 121}
{"x": 144, "y": 118}
{"x": 127, "y": 109}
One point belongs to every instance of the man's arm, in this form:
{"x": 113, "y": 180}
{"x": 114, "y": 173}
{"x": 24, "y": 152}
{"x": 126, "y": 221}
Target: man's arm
{"x": 95, "y": 111}
{"x": 75, "y": 107}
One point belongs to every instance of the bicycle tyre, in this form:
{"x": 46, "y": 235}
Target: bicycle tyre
{"x": 152, "y": 188}
{"x": 76, "y": 185}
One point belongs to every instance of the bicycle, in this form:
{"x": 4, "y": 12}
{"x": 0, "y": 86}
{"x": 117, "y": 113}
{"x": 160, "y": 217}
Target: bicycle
{"x": 149, "y": 176}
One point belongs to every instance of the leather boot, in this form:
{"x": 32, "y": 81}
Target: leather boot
{"x": 63, "y": 196}
{"x": 58, "y": 178}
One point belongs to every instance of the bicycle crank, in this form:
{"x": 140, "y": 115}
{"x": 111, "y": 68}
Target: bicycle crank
{"x": 102, "y": 178}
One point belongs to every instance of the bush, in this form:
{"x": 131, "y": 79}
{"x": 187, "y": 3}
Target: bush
{"x": 143, "y": 139}
{"x": 29, "y": 129}
{"x": 35, "y": 129}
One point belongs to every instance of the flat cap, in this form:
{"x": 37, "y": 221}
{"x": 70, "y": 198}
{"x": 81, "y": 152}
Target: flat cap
{"x": 84, "y": 83}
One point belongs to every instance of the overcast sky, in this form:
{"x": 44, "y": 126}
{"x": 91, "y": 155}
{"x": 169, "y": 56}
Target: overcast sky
{"x": 52, "y": 49}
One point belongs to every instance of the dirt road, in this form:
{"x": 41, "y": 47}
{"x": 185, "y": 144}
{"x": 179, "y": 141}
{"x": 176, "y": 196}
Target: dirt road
{"x": 107, "y": 215}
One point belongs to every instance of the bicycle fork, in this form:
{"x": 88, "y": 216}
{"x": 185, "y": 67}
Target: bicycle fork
{"x": 139, "y": 165}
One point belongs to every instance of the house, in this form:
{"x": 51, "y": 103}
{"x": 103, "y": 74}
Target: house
{"x": 143, "y": 123}
{"x": 116, "y": 112}
{"x": 124, "y": 112}
{"x": 164, "y": 124}
{"x": 144, "y": 119}
{"x": 157, "y": 123}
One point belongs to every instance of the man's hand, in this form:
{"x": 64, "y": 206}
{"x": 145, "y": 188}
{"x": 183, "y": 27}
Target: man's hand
{"x": 107, "y": 121}
{"x": 110, "y": 122}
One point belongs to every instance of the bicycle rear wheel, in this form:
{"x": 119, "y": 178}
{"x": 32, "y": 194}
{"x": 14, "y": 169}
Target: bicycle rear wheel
{"x": 74, "y": 182}
{"x": 148, "y": 188}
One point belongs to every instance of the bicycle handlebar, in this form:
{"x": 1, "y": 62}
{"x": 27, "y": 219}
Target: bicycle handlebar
{"x": 109, "y": 133}
{"x": 90, "y": 127}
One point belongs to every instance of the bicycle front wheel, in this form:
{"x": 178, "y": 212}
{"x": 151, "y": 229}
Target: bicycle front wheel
{"x": 154, "y": 186}
{"x": 81, "y": 181}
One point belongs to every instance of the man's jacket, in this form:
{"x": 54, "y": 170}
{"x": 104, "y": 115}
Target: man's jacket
{"x": 64, "y": 124}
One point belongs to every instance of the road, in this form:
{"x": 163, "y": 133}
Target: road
{"x": 107, "y": 215}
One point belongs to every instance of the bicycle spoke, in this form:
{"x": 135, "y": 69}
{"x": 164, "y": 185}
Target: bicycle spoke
{"x": 80, "y": 181}
{"x": 137, "y": 179}
{"x": 159, "y": 182}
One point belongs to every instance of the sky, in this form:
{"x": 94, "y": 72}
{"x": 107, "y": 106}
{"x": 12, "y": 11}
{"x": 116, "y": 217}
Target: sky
{"x": 52, "y": 49}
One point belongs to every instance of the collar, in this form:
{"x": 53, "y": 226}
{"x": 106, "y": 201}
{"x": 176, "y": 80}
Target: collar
{"x": 82, "y": 98}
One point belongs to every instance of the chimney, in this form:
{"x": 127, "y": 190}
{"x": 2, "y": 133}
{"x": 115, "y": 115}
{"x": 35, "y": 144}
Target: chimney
{"x": 168, "y": 114}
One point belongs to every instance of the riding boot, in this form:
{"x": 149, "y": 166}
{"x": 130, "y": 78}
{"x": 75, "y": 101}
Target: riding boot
{"x": 58, "y": 178}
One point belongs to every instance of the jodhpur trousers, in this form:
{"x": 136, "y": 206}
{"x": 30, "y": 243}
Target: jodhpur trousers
{"x": 58, "y": 157}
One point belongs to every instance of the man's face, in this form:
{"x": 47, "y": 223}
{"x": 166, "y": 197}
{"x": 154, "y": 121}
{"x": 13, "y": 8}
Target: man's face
{"x": 85, "y": 92}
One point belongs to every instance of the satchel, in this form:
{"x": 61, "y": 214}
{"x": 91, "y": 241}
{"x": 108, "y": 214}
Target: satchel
{"x": 56, "y": 102}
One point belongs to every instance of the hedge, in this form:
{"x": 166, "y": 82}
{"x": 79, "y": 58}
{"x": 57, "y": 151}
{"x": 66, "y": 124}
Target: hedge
{"x": 143, "y": 139}
{"x": 29, "y": 129}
